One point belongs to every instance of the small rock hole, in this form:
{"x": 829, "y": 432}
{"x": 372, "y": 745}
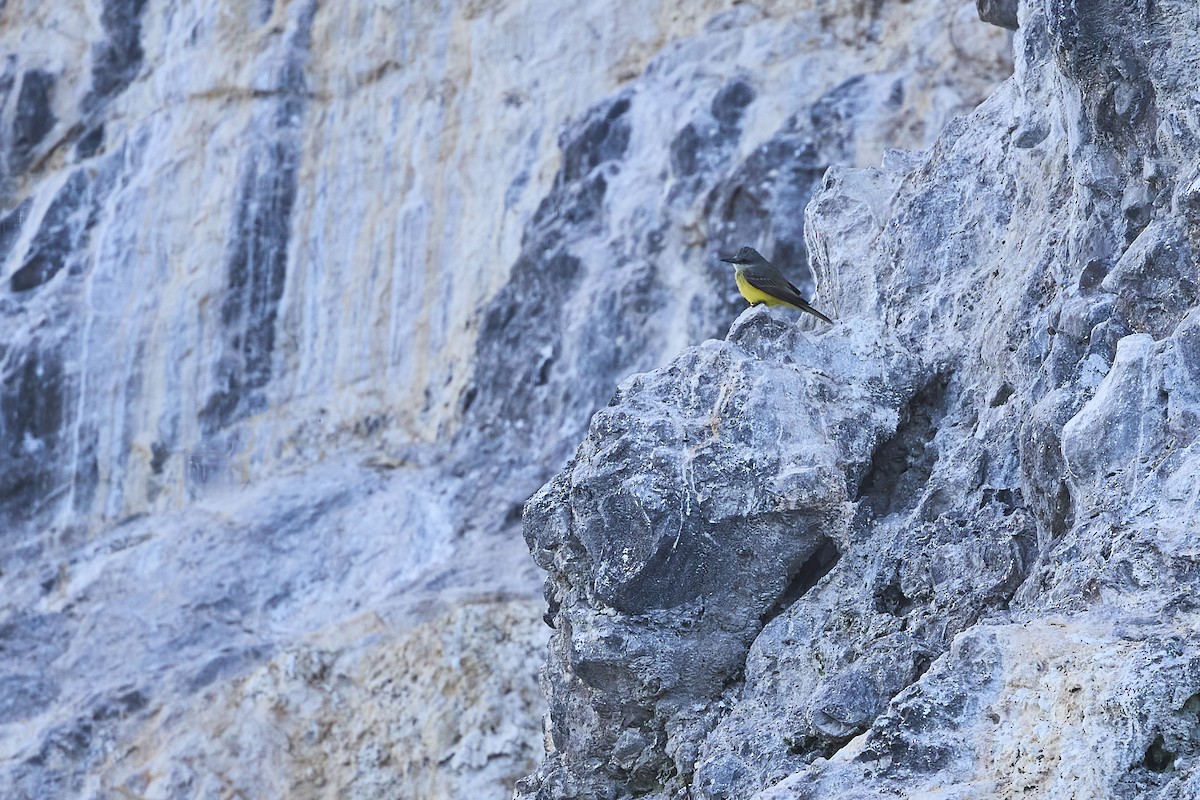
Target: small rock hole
{"x": 1158, "y": 757}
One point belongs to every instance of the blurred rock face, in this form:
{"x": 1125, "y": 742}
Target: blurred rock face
{"x": 287, "y": 235}
{"x": 300, "y": 302}
{"x": 997, "y": 439}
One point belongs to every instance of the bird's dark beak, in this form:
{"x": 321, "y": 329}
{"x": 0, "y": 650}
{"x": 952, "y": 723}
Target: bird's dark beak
{"x": 728, "y": 259}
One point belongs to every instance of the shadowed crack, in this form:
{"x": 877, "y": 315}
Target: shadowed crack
{"x": 901, "y": 465}
{"x": 815, "y": 567}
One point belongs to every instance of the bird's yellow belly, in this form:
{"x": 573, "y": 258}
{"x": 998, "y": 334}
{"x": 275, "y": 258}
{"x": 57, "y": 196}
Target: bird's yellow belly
{"x": 754, "y": 295}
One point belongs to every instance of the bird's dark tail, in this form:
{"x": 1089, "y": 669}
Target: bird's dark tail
{"x": 815, "y": 313}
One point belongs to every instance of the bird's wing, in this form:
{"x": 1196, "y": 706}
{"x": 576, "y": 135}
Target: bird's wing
{"x": 773, "y": 283}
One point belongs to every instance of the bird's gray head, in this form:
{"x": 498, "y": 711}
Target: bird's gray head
{"x": 747, "y": 255}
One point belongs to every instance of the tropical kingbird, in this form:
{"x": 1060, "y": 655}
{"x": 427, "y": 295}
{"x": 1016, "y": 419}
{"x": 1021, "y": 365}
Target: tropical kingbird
{"x": 760, "y": 281}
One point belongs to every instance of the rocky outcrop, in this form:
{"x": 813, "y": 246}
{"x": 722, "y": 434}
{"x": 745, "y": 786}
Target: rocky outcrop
{"x": 1005, "y": 474}
{"x": 702, "y": 504}
{"x": 300, "y": 302}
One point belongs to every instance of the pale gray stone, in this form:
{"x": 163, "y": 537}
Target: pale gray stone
{"x": 1012, "y": 607}
{"x": 300, "y": 302}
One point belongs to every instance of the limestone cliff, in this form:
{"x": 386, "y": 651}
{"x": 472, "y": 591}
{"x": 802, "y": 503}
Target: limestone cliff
{"x": 300, "y": 302}
{"x": 945, "y": 548}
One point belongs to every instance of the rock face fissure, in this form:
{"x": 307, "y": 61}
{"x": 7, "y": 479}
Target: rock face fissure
{"x": 33, "y": 406}
{"x": 117, "y": 58}
{"x": 32, "y": 119}
{"x": 259, "y": 243}
{"x": 64, "y": 228}
{"x": 815, "y": 567}
{"x": 901, "y": 466}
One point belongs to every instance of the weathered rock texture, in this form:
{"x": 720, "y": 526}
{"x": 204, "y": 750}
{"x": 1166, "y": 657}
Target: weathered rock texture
{"x": 437, "y": 712}
{"x": 300, "y": 301}
{"x": 947, "y": 547}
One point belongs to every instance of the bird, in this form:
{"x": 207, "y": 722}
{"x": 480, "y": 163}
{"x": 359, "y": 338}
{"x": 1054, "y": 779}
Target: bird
{"x": 760, "y": 281}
